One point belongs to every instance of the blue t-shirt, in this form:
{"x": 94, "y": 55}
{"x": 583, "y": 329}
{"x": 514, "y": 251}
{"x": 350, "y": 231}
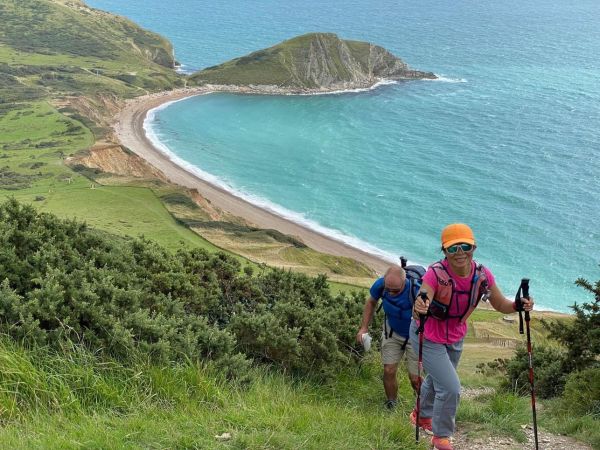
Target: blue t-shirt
{"x": 398, "y": 308}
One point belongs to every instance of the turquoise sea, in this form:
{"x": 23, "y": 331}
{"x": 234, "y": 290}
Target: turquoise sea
{"x": 507, "y": 141}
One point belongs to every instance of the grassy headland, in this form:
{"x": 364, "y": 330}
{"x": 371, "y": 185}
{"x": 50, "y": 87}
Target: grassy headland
{"x": 312, "y": 61}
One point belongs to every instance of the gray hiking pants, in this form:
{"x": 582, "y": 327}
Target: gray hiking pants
{"x": 440, "y": 391}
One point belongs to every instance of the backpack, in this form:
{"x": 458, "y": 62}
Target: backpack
{"x": 445, "y": 293}
{"x": 415, "y": 274}
{"x": 393, "y": 313}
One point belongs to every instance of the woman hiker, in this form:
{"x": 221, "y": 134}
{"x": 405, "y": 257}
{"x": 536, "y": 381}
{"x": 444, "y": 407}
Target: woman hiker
{"x": 454, "y": 286}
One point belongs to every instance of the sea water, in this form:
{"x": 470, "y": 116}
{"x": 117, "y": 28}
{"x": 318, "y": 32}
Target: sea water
{"x": 508, "y": 140}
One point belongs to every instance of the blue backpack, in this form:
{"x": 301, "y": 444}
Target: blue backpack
{"x": 398, "y": 314}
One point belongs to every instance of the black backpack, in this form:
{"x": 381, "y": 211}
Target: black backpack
{"x": 415, "y": 274}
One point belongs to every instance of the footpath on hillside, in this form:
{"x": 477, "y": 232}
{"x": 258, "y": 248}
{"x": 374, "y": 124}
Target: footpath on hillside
{"x": 546, "y": 440}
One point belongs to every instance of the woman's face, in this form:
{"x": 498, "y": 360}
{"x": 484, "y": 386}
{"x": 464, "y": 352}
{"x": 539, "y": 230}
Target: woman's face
{"x": 460, "y": 256}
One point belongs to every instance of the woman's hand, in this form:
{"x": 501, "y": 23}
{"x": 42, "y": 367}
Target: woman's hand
{"x": 421, "y": 307}
{"x": 527, "y": 303}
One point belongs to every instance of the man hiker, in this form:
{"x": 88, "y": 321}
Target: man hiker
{"x": 395, "y": 291}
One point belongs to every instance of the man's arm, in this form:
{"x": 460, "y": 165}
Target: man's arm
{"x": 367, "y": 316}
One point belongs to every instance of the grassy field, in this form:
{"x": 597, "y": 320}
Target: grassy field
{"x": 35, "y": 139}
{"x": 75, "y": 400}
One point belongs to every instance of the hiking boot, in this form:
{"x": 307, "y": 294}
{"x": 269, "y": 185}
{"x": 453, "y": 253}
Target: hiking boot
{"x": 441, "y": 443}
{"x": 424, "y": 422}
{"x": 391, "y": 404}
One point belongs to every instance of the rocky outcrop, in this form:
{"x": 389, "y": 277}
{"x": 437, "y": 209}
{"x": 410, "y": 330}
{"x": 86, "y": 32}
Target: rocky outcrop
{"x": 316, "y": 61}
{"x": 113, "y": 159}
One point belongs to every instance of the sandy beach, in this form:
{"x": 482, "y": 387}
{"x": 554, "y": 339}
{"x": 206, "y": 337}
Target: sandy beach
{"x": 130, "y": 132}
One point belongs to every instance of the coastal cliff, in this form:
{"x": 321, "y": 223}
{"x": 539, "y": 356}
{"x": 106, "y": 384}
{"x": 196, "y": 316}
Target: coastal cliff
{"x": 70, "y": 27}
{"x": 54, "y": 49}
{"x": 312, "y": 62}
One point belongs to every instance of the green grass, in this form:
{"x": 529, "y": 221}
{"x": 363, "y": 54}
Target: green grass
{"x": 124, "y": 211}
{"x": 337, "y": 288}
{"x": 562, "y": 420}
{"x": 76, "y": 400}
{"x": 496, "y": 414}
{"x": 33, "y": 140}
{"x": 337, "y": 264}
{"x": 73, "y": 399}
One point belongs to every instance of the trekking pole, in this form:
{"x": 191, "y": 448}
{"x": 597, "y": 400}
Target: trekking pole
{"x": 524, "y": 289}
{"x": 420, "y": 332}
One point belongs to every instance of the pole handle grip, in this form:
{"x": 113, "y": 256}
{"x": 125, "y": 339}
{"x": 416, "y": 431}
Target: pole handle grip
{"x": 525, "y": 288}
{"x": 422, "y": 317}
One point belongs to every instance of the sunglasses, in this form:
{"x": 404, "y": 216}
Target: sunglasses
{"x": 393, "y": 292}
{"x": 464, "y": 247}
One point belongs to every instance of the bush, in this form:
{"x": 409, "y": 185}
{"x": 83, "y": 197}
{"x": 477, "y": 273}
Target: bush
{"x": 548, "y": 376}
{"x": 580, "y": 339}
{"x": 582, "y": 392}
{"x": 66, "y": 283}
{"x": 298, "y": 324}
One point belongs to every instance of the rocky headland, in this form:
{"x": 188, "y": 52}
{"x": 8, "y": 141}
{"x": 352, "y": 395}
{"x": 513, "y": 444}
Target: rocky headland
{"x": 311, "y": 63}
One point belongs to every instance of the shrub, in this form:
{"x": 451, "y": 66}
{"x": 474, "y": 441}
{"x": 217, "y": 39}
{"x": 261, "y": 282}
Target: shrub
{"x": 298, "y": 324}
{"x": 580, "y": 340}
{"x": 582, "y": 392}
{"x": 581, "y": 337}
{"x": 64, "y": 283}
{"x": 549, "y": 378}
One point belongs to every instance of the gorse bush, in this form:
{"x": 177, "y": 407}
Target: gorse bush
{"x": 297, "y": 323}
{"x": 582, "y": 392}
{"x": 549, "y": 378}
{"x": 63, "y": 282}
{"x": 580, "y": 350}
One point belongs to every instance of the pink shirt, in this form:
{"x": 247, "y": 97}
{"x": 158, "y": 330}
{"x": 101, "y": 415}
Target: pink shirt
{"x": 451, "y": 330}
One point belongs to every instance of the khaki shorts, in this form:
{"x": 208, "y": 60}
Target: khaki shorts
{"x": 395, "y": 348}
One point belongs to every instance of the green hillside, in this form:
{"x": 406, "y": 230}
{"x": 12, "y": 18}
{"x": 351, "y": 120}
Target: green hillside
{"x": 108, "y": 340}
{"x": 54, "y": 47}
{"x": 65, "y": 70}
{"x": 315, "y": 60}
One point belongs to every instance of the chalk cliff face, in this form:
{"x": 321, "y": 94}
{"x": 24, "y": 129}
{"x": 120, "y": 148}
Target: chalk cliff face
{"x": 316, "y": 61}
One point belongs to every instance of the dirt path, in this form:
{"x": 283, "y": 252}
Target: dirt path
{"x": 546, "y": 441}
